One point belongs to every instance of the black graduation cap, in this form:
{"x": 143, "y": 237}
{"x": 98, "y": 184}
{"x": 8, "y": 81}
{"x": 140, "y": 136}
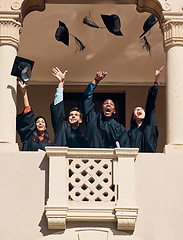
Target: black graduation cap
{"x": 112, "y": 23}
{"x": 22, "y": 68}
{"x": 149, "y": 23}
{"x": 62, "y": 35}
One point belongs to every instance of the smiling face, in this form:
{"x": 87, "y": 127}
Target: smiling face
{"x": 138, "y": 114}
{"x": 75, "y": 118}
{"x": 108, "y": 108}
{"x": 41, "y": 125}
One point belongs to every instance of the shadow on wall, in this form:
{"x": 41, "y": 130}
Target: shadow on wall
{"x": 44, "y": 166}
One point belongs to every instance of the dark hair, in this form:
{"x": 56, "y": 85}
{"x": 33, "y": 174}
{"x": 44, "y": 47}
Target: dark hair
{"x": 76, "y": 109}
{"x": 46, "y": 134}
{"x": 132, "y": 121}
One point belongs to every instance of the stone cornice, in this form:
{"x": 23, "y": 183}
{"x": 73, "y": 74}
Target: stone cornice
{"x": 9, "y": 32}
{"x": 92, "y": 153}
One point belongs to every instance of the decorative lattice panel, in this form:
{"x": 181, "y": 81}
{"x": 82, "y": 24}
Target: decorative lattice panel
{"x": 90, "y": 180}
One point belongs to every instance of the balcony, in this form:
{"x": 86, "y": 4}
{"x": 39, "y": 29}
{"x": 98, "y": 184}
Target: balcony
{"x": 91, "y": 185}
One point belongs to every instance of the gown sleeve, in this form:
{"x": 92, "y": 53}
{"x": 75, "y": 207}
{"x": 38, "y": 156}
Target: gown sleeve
{"x": 87, "y": 103}
{"x": 150, "y": 135}
{"x": 57, "y": 116}
{"x": 124, "y": 138}
{"x": 150, "y": 117}
{"x": 25, "y": 125}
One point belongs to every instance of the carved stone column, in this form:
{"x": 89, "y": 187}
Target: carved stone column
{"x": 9, "y": 39}
{"x": 170, "y": 15}
{"x": 12, "y": 14}
{"x": 173, "y": 45}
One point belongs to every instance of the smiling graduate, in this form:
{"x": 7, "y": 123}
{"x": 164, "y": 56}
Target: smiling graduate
{"x": 102, "y": 130}
{"x": 32, "y": 131}
{"x": 143, "y": 133}
{"x": 66, "y": 133}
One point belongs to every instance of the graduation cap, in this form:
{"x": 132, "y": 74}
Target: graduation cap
{"x": 62, "y": 35}
{"x": 148, "y": 24}
{"x": 112, "y": 23}
{"x": 22, "y": 68}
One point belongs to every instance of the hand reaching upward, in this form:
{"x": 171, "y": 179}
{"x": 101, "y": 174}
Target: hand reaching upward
{"x": 157, "y": 74}
{"x": 99, "y": 76}
{"x": 60, "y": 76}
{"x": 23, "y": 87}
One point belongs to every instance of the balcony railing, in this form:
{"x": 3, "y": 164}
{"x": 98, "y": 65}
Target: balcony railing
{"x": 91, "y": 185}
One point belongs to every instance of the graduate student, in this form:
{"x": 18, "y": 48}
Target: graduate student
{"x": 102, "y": 130}
{"x": 33, "y": 131}
{"x": 143, "y": 133}
{"x": 66, "y": 132}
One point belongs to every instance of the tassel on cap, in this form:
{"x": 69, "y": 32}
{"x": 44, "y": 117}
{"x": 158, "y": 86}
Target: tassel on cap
{"x": 88, "y": 20}
{"x": 146, "y": 45}
{"x": 79, "y": 44}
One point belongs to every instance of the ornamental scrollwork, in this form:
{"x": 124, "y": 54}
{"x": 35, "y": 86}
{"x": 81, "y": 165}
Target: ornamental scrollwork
{"x": 15, "y": 6}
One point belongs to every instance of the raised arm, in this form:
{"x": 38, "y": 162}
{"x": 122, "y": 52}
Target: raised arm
{"x": 157, "y": 74}
{"x": 60, "y": 76}
{"x": 88, "y": 93}
{"x": 57, "y": 107}
{"x": 99, "y": 76}
{"x": 151, "y": 99}
{"x": 25, "y": 121}
{"x": 23, "y": 88}
{"x": 87, "y": 103}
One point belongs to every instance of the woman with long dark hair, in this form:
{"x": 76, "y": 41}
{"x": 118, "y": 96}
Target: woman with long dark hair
{"x": 143, "y": 133}
{"x": 33, "y": 131}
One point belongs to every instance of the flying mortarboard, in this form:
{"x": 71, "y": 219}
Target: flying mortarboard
{"x": 62, "y": 35}
{"x": 149, "y": 23}
{"x": 22, "y": 68}
{"x": 112, "y": 23}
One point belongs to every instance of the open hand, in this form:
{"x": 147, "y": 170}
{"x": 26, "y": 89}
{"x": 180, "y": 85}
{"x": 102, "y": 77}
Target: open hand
{"x": 157, "y": 74}
{"x": 58, "y": 74}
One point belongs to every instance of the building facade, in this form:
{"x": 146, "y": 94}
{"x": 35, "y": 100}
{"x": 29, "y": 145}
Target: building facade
{"x": 142, "y": 197}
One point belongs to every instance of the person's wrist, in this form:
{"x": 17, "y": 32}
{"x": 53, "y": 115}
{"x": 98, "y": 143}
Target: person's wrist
{"x": 97, "y": 80}
{"x": 60, "y": 84}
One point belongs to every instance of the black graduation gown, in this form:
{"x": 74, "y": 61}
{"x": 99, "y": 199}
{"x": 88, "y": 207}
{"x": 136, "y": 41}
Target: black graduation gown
{"x": 65, "y": 135}
{"x": 145, "y": 137}
{"x": 101, "y": 133}
{"x": 25, "y": 125}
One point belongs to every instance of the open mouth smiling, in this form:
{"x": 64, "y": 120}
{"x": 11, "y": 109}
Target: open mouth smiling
{"x": 108, "y": 110}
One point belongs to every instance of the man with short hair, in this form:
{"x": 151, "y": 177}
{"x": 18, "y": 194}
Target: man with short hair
{"x": 102, "y": 130}
{"x": 66, "y": 132}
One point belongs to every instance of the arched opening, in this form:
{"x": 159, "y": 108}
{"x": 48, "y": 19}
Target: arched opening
{"x": 130, "y": 68}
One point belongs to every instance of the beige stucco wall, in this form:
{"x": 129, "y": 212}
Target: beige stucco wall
{"x": 24, "y": 188}
{"x": 42, "y": 95}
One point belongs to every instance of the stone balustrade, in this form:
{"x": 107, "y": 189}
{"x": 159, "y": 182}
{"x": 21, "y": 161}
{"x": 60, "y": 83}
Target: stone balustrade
{"x": 91, "y": 185}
